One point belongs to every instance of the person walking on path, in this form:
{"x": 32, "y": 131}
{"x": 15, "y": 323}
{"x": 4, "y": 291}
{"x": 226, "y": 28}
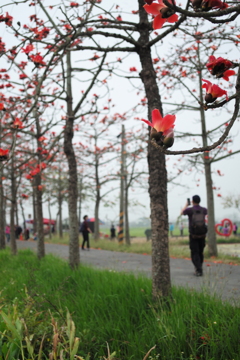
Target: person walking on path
{"x": 7, "y": 232}
{"x": 197, "y": 232}
{"x": 113, "y": 232}
{"x": 85, "y": 230}
{"x": 171, "y": 228}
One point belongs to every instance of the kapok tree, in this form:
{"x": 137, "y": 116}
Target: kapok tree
{"x": 98, "y": 153}
{"x": 183, "y": 75}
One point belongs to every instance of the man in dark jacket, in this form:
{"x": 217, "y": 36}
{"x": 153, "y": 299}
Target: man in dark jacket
{"x": 197, "y": 243}
{"x": 85, "y": 230}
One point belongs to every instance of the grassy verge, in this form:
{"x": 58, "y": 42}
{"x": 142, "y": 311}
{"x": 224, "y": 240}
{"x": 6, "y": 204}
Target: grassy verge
{"x": 107, "y": 308}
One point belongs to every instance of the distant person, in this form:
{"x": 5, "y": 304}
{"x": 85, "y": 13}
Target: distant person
{"x": 226, "y": 230}
{"x": 18, "y": 231}
{"x": 85, "y": 230}
{"x": 113, "y": 232}
{"x": 171, "y": 228}
{"x": 53, "y": 229}
{"x": 148, "y": 233}
{"x": 197, "y": 232}
{"x": 181, "y": 229}
{"x": 235, "y": 228}
{"x": 7, "y": 232}
{"x": 26, "y": 234}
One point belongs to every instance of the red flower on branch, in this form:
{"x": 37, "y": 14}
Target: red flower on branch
{"x": 213, "y": 91}
{"x": 220, "y": 67}
{"x": 22, "y": 76}
{"x": 24, "y": 196}
{"x": 206, "y": 5}
{"x": 7, "y": 19}
{"x": 28, "y": 49}
{"x": 3, "y": 154}
{"x": 159, "y": 123}
{"x": 37, "y": 59}
{"x": 161, "y": 13}
{"x": 17, "y": 124}
{"x": 74, "y": 4}
{"x": 162, "y": 128}
{"x": 213, "y": 4}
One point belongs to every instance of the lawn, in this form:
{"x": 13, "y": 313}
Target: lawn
{"x": 42, "y": 300}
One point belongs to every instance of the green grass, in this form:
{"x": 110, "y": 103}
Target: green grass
{"x": 117, "y": 309}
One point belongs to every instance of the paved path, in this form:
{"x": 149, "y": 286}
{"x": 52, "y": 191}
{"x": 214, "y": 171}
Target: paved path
{"x": 220, "y": 279}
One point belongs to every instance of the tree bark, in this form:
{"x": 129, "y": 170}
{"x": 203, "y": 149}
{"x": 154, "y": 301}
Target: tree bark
{"x": 60, "y": 229}
{"x": 157, "y": 172}
{"x": 74, "y": 255}
{"x": 96, "y": 214}
{"x": 34, "y": 211}
{"x": 50, "y": 218}
{"x": 211, "y": 236}
{"x": 127, "y": 232}
{"x": 2, "y": 217}
{"x": 13, "y": 243}
{"x": 23, "y": 215}
{"x": 39, "y": 218}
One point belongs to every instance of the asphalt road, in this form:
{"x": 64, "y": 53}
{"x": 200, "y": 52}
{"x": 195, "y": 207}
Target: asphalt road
{"x": 219, "y": 279}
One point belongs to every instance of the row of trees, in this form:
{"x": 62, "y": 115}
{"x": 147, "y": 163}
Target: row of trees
{"x": 56, "y": 87}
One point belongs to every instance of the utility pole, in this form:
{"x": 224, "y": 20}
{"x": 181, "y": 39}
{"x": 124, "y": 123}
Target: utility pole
{"x": 122, "y": 183}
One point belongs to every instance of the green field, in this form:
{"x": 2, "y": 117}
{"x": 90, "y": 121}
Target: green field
{"x": 49, "y": 311}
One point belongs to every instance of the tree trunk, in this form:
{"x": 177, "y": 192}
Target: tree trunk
{"x": 127, "y": 232}
{"x": 74, "y": 255}
{"x": 60, "y": 229}
{"x": 157, "y": 172}
{"x": 16, "y": 213}
{"x": 39, "y": 213}
{"x": 96, "y": 214}
{"x": 212, "y": 240}
{"x": 13, "y": 244}
{"x": 50, "y": 218}
{"x": 2, "y": 217}
{"x": 80, "y": 202}
{"x": 34, "y": 211}
{"x": 23, "y": 215}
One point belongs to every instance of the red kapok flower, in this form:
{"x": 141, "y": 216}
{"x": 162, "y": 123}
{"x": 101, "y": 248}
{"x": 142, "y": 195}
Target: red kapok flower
{"x": 3, "y": 154}
{"x": 162, "y": 128}
{"x": 17, "y": 124}
{"x": 28, "y": 49}
{"x": 220, "y": 67}
{"x": 7, "y": 19}
{"x": 213, "y": 4}
{"x": 207, "y": 5}
{"x": 22, "y": 76}
{"x": 228, "y": 73}
{"x": 159, "y": 123}
{"x": 213, "y": 91}
{"x": 37, "y": 59}
{"x": 161, "y": 13}
{"x": 74, "y": 4}
{"x": 24, "y": 196}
